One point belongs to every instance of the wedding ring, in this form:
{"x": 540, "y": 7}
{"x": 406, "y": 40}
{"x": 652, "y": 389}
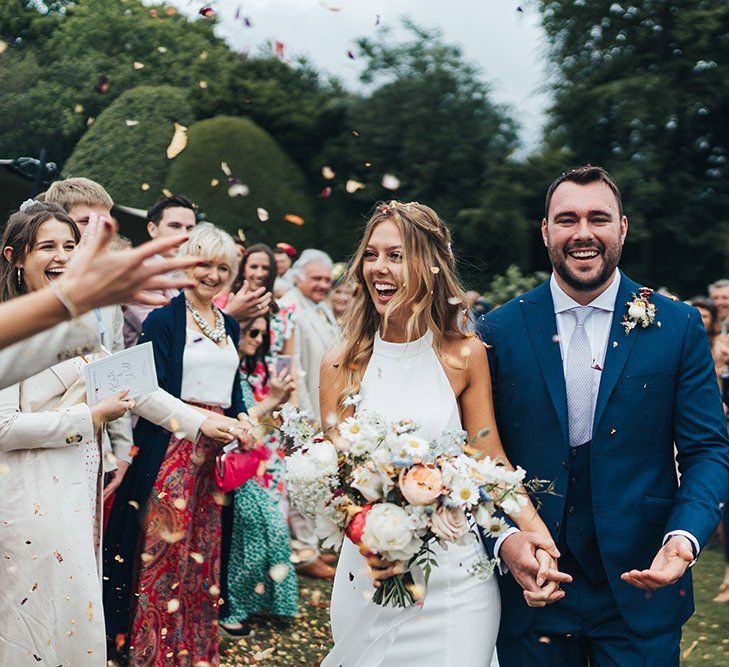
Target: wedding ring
{"x": 231, "y": 429}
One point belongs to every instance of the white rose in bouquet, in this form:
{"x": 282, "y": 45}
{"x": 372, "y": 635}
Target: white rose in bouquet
{"x": 372, "y": 484}
{"x": 324, "y": 455}
{"x": 387, "y": 531}
{"x": 450, "y": 524}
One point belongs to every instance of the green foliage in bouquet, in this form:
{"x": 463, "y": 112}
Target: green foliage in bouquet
{"x": 125, "y": 149}
{"x": 253, "y": 159}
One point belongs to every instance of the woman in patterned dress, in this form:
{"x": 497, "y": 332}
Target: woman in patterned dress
{"x": 171, "y": 480}
{"x": 259, "y": 576}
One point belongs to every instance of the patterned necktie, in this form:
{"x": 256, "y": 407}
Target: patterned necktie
{"x": 579, "y": 380}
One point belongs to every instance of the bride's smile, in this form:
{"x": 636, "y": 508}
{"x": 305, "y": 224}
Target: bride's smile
{"x": 382, "y": 266}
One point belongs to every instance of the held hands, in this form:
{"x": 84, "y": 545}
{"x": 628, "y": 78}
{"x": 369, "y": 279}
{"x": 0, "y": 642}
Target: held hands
{"x": 110, "y": 408}
{"x": 225, "y": 429}
{"x": 248, "y": 303}
{"x": 532, "y": 560}
{"x": 667, "y": 567}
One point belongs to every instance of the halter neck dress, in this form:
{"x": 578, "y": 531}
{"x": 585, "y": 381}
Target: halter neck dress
{"x": 459, "y": 619}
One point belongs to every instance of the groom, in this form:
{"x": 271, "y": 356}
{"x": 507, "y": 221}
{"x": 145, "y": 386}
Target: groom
{"x": 596, "y": 410}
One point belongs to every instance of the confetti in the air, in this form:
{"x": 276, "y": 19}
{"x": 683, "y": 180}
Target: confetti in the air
{"x": 206, "y": 11}
{"x": 279, "y": 572}
{"x": 102, "y": 85}
{"x": 178, "y": 143}
{"x": 262, "y": 214}
{"x": 131, "y": 123}
{"x": 352, "y": 186}
{"x": 294, "y": 219}
{"x": 173, "y": 605}
{"x": 327, "y": 172}
{"x": 137, "y": 65}
{"x": 238, "y": 189}
{"x": 390, "y": 182}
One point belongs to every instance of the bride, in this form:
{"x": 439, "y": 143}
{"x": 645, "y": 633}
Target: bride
{"x": 405, "y": 354}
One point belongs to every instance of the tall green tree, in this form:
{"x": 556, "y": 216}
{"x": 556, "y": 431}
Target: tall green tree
{"x": 428, "y": 119}
{"x": 642, "y": 89}
{"x": 67, "y": 62}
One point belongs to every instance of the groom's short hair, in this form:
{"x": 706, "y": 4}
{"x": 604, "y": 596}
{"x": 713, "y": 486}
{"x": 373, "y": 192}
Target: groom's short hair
{"x": 584, "y": 176}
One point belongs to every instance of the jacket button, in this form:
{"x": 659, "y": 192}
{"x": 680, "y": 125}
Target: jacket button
{"x": 571, "y": 509}
{"x": 573, "y": 451}
{"x": 69, "y": 439}
{"x": 573, "y": 481}
{"x": 79, "y": 437}
{"x": 556, "y": 526}
{"x": 564, "y": 464}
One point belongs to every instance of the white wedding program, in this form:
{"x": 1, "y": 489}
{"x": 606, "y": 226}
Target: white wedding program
{"x": 131, "y": 369}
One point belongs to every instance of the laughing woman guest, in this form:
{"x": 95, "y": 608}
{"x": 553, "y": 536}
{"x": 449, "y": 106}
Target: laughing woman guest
{"x": 50, "y": 456}
{"x": 174, "y": 607}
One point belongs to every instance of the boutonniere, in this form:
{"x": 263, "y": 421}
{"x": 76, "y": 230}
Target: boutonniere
{"x": 640, "y": 311}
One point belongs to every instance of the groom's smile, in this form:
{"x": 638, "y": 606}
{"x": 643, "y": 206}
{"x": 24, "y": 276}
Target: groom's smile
{"x": 584, "y": 235}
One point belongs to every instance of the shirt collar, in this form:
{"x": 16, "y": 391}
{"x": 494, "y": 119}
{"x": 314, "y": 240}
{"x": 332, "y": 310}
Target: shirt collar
{"x": 606, "y": 301}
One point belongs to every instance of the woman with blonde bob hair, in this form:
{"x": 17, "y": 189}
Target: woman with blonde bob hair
{"x": 407, "y": 357}
{"x": 162, "y": 549}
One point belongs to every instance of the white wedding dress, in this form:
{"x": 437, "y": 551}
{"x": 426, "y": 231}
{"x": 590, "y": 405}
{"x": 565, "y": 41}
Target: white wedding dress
{"x": 458, "y": 622}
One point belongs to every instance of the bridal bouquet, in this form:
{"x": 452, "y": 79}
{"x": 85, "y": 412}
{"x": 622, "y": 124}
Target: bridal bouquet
{"x": 387, "y": 488}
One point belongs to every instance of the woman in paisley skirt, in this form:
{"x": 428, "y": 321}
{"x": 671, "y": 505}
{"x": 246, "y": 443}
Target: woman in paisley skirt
{"x": 259, "y": 576}
{"x": 177, "y": 567}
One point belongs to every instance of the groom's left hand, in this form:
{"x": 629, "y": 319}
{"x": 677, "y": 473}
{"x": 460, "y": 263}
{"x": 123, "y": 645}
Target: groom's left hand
{"x": 667, "y": 567}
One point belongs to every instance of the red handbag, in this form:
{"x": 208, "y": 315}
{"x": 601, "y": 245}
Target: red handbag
{"x": 233, "y": 468}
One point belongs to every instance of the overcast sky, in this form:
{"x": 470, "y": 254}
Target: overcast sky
{"x": 506, "y": 44}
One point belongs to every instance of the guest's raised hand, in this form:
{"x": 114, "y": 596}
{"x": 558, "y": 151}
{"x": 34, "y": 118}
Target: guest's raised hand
{"x": 97, "y": 276}
{"x": 281, "y": 387}
{"x": 110, "y": 408}
{"x": 248, "y": 303}
{"x": 667, "y": 567}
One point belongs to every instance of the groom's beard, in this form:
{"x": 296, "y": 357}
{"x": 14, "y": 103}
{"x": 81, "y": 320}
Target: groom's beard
{"x": 610, "y": 257}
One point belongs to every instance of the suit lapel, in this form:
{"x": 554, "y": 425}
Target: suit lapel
{"x": 618, "y": 347}
{"x": 541, "y": 326}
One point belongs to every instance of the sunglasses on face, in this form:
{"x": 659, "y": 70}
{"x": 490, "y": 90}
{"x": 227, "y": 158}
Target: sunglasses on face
{"x": 255, "y": 333}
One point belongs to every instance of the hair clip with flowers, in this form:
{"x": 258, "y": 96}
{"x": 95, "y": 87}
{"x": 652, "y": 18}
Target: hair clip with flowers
{"x": 27, "y": 204}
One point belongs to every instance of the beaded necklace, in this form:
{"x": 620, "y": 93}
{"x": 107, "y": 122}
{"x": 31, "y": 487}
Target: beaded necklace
{"x": 218, "y": 333}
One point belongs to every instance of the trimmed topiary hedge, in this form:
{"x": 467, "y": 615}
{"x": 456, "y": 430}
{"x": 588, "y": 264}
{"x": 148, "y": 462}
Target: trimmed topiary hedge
{"x": 125, "y": 149}
{"x": 275, "y": 182}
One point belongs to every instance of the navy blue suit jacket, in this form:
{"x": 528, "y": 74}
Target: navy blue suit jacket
{"x": 658, "y": 387}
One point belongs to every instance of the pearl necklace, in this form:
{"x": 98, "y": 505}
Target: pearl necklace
{"x": 218, "y": 333}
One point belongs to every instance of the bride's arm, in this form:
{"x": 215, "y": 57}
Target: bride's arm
{"x": 477, "y": 407}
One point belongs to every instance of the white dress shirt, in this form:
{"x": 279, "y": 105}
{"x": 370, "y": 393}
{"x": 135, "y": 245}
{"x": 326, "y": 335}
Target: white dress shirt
{"x": 597, "y": 327}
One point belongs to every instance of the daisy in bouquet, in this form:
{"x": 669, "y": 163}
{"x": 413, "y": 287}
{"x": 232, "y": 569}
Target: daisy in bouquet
{"x": 396, "y": 493}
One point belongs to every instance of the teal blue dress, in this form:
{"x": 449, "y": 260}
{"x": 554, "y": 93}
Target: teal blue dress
{"x": 261, "y": 579}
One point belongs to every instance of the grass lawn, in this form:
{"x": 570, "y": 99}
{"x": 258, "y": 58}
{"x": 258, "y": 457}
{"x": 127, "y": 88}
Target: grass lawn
{"x": 306, "y": 641}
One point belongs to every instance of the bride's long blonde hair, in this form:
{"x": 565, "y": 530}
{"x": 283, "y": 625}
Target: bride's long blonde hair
{"x": 430, "y": 290}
